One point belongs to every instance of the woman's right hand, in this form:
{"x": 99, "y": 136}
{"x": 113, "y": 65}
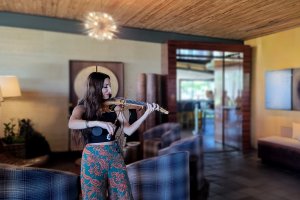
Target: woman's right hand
{"x": 110, "y": 127}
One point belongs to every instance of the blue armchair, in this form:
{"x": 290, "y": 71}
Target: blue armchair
{"x": 37, "y": 183}
{"x": 193, "y": 145}
{"x": 160, "y": 137}
{"x": 161, "y": 178}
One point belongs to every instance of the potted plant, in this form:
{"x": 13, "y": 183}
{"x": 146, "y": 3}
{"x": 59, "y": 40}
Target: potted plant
{"x": 35, "y": 143}
{"x": 13, "y": 143}
{"x": 27, "y": 143}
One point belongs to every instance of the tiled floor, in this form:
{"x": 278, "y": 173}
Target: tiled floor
{"x": 209, "y": 144}
{"x": 233, "y": 175}
{"x": 236, "y": 176}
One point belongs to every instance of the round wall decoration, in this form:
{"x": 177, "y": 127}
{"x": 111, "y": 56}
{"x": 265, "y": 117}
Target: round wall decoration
{"x": 81, "y": 77}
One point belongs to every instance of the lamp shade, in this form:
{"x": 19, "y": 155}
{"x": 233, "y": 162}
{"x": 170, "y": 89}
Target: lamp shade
{"x": 9, "y": 86}
{"x": 1, "y": 97}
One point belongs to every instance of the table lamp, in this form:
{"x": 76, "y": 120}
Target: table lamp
{"x": 9, "y": 87}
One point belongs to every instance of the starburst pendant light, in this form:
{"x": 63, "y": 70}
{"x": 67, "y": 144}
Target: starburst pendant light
{"x": 100, "y": 25}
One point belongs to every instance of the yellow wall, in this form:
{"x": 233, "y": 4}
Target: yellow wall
{"x": 40, "y": 59}
{"x": 272, "y": 52}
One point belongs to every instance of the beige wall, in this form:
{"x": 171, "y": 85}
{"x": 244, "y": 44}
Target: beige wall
{"x": 40, "y": 59}
{"x": 272, "y": 52}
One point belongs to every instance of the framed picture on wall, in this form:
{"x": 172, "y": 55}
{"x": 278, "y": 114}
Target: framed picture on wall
{"x": 278, "y": 89}
{"x": 296, "y": 89}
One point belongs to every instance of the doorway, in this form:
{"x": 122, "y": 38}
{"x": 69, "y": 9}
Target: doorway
{"x": 231, "y": 94}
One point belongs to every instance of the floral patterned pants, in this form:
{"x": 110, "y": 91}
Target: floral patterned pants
{"x": 103, "y": 173}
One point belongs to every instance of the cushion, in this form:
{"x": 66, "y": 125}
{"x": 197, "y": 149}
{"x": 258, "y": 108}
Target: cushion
{"x": 296, "y": 131}
{"x": 286, "y": 131}
{"x": 282, "y": 141}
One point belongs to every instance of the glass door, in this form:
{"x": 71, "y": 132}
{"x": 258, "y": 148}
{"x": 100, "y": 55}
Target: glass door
{"x": 232, "y": 99}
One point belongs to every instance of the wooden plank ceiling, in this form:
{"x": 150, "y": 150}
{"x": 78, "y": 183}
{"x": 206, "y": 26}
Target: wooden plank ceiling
{"x": 231, "y": 19}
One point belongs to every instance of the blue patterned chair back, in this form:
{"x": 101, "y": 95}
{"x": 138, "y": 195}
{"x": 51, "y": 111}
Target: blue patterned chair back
{"x": 37, "y": 184}
{"x": 161, "y": 178}
{"x": 193, "y": 145}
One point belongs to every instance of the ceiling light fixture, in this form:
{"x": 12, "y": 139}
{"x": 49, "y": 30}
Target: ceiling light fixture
{"x": 100, "y": 25}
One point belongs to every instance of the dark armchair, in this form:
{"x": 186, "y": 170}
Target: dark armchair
{"x": 160, "y": 137}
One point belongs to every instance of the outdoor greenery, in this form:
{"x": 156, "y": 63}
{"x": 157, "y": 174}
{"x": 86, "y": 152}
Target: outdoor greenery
{"x": 195, "y": 89}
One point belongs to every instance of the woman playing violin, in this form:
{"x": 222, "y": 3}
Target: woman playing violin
{"x": 103, "y": 171}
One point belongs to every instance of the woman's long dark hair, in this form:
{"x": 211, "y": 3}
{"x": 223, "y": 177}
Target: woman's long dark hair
{"x": 93, "y": 97}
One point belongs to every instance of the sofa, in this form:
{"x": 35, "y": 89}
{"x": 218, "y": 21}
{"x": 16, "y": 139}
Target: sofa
{"x": 37, "y": 183}
{"x": 283, "y": 150}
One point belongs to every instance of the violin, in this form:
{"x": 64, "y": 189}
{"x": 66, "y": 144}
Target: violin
{"x": 109, "y": 105}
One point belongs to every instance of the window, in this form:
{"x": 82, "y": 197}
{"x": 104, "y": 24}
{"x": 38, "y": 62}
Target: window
{"x": 194, "y": 89}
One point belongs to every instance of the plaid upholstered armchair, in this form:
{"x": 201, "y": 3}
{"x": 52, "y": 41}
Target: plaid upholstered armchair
{"x": 193, "y": 145}
{"x": 160, "y": 137}
{"x": 161, "y": 178}
{"x": 37, "y": 183}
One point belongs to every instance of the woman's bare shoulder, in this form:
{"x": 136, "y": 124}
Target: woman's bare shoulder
{"x": 77, "y": 112}
{"x": 79, "y": 109}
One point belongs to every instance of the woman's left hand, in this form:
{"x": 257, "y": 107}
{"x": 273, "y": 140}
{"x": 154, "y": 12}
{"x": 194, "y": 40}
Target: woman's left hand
{"x": 152, "y": 107}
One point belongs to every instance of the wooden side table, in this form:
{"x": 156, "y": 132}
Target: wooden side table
{"x": 132, "y": 152}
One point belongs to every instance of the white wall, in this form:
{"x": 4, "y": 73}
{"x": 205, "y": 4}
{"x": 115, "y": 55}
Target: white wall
{"x": 40, "y": 60}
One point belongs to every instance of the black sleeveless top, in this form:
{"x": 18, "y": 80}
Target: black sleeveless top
{"x": 98, "y": 134}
